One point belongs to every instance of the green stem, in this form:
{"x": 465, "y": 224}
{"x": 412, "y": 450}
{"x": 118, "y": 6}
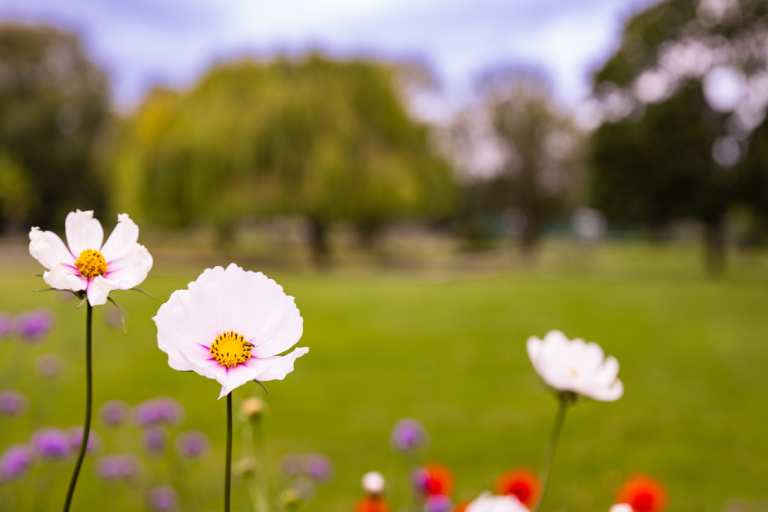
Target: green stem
{"x": 228, "y": 463}
{"x": 88, "y": 406}
{"x": 549, "y": 455}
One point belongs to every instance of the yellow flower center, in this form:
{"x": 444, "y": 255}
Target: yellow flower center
{"x": 230, "y": 349}
{"x": 91, "y": 263}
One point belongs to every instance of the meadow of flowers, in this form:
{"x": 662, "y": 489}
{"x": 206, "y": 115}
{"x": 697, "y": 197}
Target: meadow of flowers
{"x": 240, "y": 328}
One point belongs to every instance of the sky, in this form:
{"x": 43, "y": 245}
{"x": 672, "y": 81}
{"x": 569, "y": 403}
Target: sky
{"x": 171, "y": 42}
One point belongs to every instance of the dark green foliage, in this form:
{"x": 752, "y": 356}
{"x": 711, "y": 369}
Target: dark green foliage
{"x": 53, "y": 112}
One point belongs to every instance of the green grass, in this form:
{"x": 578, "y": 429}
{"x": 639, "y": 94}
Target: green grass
{"x": 448, "y": 348}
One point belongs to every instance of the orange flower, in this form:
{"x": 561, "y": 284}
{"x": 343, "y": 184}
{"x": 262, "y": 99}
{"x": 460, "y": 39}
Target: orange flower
{"x": 462, "y": 507}
{"x": 434, "y": 480}
{"x": 643, "y": 494}
{"x": 372, "y": 504}
{"x": 521, "y": 484}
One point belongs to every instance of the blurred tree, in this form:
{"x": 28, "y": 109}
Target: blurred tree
{"x": 679, "y": 102}
{"x": 329, "y": 140}
{"x": 524, "y": 153}
{"x": 54, "y": 108}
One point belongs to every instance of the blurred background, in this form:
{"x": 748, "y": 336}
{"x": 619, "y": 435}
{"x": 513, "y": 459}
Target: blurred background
{"x": 501, "y": 167}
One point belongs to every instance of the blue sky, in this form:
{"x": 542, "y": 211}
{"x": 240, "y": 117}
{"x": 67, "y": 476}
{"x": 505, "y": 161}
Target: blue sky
{"x": 145, "y": 42}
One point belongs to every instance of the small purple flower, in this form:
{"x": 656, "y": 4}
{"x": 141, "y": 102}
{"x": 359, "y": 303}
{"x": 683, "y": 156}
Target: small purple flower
{"x": 12, "y": 403}
{"x": 408, "y": 435}
{"x": 35, "y": 325}
{"x": 160, "y": 411}
{"x": 292, "y": 465}
{"x": 162, "y": 498}
{"x": 438, "y": 503}
{"x": 419, "y": 479}
{"x": 318, "y": 467}
{"x": 7, "y": 326}
{"x": 154, "y": 440}
{"x": 48, "y": 365}
{"x": 192, "y": 444}
{"x": 118, "y": 467}
{"x": 114, "y": 413}
{"x": 15, "y": 462}
{"x": 51, "y": 443}
{"x": 76, "y": 438}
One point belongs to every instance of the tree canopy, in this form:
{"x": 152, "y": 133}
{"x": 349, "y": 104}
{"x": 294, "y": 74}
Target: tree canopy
{"x": 330, "y": 140}
{"x": 54, "y": 110}
{"x": 680, "y": 100}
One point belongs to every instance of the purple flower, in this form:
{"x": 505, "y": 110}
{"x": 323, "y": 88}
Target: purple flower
{"x": 419, "y": 479}
{"x": 438, "y": 503}
{"x": 7, "y": 326}
{"x": 35, "y": 325}
{"x": 408, "y": 435}
{"x": 51, "y": 443}
{"x": 160, "y": 411}
{"x": 114, "y": 413}
{"x": 318, "y": 467}
{"x": 162, "y": 498}
{"x": 48, "y": 365}
{"x": 76, "y": 438}
{"x": 192, "y": 444}
{"x": 15, "y": 462}
{"x": 12, "y": 403}
{"x": 154, "y": 440}
{"x": 118, "y": 467}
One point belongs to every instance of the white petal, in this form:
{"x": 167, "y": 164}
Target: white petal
{"x": 64, "y": 277}
{"x": 83, "y": 232}
{"x": 47, "y": 248}
{"x": 621, "y": 507}
{"x": 98, "y": 290}
{"x": 261, "y": 311}
{"x": 122, "y": 240}
{"x": 131, "y": 269}
{"x": 271, "y": 368}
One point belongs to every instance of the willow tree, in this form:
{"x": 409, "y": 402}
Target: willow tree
{"x": 325, "y": 139}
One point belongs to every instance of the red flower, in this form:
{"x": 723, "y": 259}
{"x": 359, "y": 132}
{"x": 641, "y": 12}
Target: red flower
{"x": 434, "y": 480}
{"x": 520, "y": 483}
{"x": 643, "y": 494}
{"x": 372, "y": 504}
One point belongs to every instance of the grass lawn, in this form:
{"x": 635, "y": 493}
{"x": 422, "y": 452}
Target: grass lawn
{"x": 447, "y": 348}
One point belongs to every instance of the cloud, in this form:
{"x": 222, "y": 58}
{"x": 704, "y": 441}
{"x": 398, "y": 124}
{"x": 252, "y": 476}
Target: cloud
{"x": 146, "y": 41}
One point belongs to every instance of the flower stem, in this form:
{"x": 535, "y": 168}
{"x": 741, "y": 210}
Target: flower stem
{"x": 88, "y": 406}
{"x": 228, "y": 463}
{"x": 549, "y": 455}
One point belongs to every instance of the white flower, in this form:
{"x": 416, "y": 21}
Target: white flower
{"x": 373, "y": 482}
{"x": 84, "y": 264}
{"x": 230, "y": 325}
{"x": 621, "y": 507}
{"x": 575, "y": 366}
{"x": 489, "y": 503}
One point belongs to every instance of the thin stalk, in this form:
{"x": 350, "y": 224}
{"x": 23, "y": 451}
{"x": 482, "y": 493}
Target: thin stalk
{"x": 549, "y": 456}
{"x": 228, "y": 463}
{"x": 88, "y": 406}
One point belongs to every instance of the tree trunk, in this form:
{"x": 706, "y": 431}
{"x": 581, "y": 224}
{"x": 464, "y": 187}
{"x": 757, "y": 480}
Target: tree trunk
{"x": 368, "y": 234}
{"x": 317, "y": 236}
{"x": 714, "y": 248}
{"x": 530, "y": 236}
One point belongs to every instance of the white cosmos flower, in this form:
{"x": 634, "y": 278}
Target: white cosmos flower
{"x": 489, "y": 503}
{"x": 621, "y": 507}
{"x": 575, "y": 366}
{"x": 230, "y": 325}
{"x": 84, "y": 264}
